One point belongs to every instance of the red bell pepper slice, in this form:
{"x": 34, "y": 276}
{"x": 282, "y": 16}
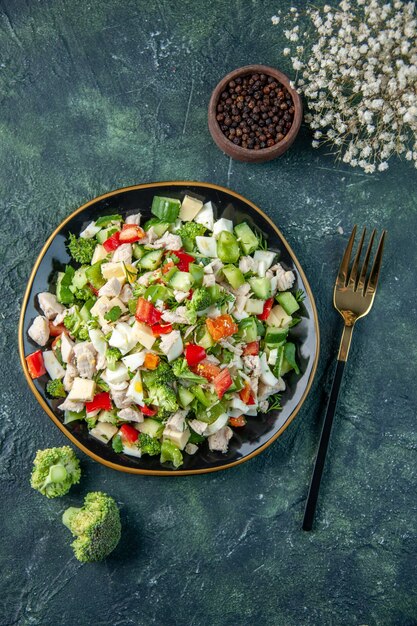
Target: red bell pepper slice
{"x": 147, "y": 313}
{"x": 251, "y": 400}
{"x": 267, "y": 309}
{"x": 251, "y": 348}
{"x": 101, "y": 401}
{"x": 131, "y": 233}
{"x": 35, "y": 364}
{"x": 194, "y": 354}
{"x": 146, "y": 410}
{"x": 222, "y": 382}
{"x": 161, "y": 329}
{"x": 184, "y": 260}
{"x": 237, "y": 422}
{"x": 113, "y": 242}
{"x": 245, "y": 393}
{"x": 128, "y": 433}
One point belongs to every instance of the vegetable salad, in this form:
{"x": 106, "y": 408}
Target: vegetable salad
{"x": 164, "y": 334}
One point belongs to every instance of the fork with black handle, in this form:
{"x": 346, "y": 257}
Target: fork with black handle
{"x": 353, "y": 296}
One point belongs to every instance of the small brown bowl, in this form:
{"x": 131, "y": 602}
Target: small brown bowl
{"x": 245, "y": 154}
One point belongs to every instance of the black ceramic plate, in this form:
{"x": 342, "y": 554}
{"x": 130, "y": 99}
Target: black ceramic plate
{"x": 260, "y": 431}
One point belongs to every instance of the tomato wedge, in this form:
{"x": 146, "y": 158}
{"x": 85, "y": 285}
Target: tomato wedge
{"x": 113, "y": 242}
{"x": 56, "y": 331}
{"x": 131, "y": 233}
{"x": 128, "y": 433}
{"x": 101, "y": 401}
{"x": 267, "y": 309}
{"x": 194, "y": 354}
{"x": 35, "y": 364}
{"x": 251, "y": 348}
{"x": 237, "y": 422}
{"x": 222, "y": 382}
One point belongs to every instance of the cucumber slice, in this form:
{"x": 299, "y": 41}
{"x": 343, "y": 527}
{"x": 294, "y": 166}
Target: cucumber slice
{"x": 86, "y": 308}
{"x": 166, "y": 209}
{"x": 248, "y": 329}
{"x": 254, "y": 306}
{"x": 80, "y": 279}
{"x": 159, "y": 226}
{"x": 275, "y": 336}
{"x": 185, "y": 396}
{"x": 151, "y": 427}
{"x": 138, "y": 251}
{"x": 234, "y": 276}
{"x": 157, "y": 292}
{"x": 104, "y": 234}
{"x": 247, "y": 238}
{"x": 151, "y": 260}
{"x": 182, "y": 281}
{"x": 105, "y": 220}
{"x": 288, "y": 302}
{"x": 204, "y": 339}
{"x": 197, "y": 272}
{"x": 261, "y": 287}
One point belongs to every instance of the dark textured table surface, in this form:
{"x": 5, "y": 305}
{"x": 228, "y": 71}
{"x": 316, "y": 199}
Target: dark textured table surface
{"x": 98, "y": 95}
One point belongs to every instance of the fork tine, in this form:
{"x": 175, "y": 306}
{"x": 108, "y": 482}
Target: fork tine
{"x": 344, "y": 266}
{"x": 362, "y": 277}
{"x": 354, "y": 270}
{"x": 374, "y": 275}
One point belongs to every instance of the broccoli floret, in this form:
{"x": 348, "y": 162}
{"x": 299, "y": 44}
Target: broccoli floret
{"x": 162, "y": 375}
{"x": 91, "y": 421}
{"x": 188, "y": 232}
{"x": 113, "y": 355}
{"x": 76, "y": 325}
{"x": 96, "y": 527}
{"x": 149, "y": 445}
{"x": 83, "y": 294}
{"x": 55, "y": 470}
{"x": 55, "y": 388}
{"x": 181, "y": 370}
{"x": 163, "y": 397}
{"x": 200, "y": 300}
{"x": 81, "y": 250}
{"x": 117, "y": 444}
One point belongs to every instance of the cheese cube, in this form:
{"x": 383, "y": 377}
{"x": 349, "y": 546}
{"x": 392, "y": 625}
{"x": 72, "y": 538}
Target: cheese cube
{"x": 189, "y": 208}
{"x": 82, "y": 390}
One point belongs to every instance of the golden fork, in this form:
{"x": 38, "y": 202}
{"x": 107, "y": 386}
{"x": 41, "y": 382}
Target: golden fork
{"x": 353, "y": 296}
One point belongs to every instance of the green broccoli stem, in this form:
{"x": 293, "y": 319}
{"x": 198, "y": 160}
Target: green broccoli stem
{"x": 57, "y": 474}
{"x": 68, "y": 516}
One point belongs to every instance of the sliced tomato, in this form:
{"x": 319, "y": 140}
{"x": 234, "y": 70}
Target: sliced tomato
{"x": 56, "y": 331}
{"x": 237, "y": 422}
{"x": 267, "y": 309}
{"x": 221, "y": 327}
{"x": 113, "y": 242}
{"x": 194, "y": 354}
{"x": 128, "y": 433}
{"x": 146, "y": 410}
{"x": 251, "y": 348}
{"x": 131, "y": 233}
{"x": 161, "y": 329}
{"x": 35, "y": 364}
{"x": 184, "y": 260}
{"x": 222, "y": 382}
{"x": 190, "y": 294}
{"x": 207, "y": 370}
{"x": 147, "y": 313}
{"x": 101, "y": 401}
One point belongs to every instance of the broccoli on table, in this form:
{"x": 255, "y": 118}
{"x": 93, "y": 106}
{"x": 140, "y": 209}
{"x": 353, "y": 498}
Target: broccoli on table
{"x": 55, "y": 388}
{"x": 81, "y": 250}
{"x": 200, "y": 300}
{"x": 55, "y": 470}
{"x": 149, "y": 445}
{"x": 96, "y": 526}
{"x": 188, "y": 232}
